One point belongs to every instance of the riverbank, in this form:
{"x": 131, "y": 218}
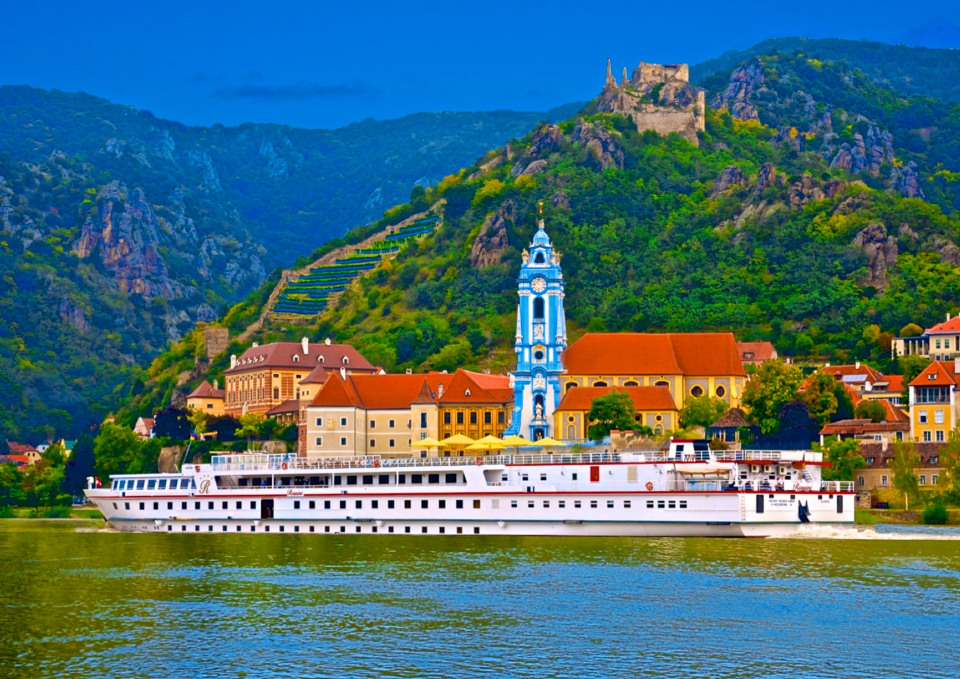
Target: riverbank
{"x": 870, "y": 517}
{"x": 50, "y": 513}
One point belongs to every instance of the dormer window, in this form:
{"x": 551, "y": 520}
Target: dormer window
{"x": 320, "y": 358}
{"x": 466, "y": 392}
{"x": 932, "y": 376}
{"x": 296, "y": 358}
{"x": 346, "y": 361}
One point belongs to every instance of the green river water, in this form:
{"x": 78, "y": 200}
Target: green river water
{"x": 78, "y": 601}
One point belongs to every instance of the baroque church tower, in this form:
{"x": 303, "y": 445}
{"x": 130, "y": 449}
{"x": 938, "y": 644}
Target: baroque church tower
{"x": 540, "y": 340}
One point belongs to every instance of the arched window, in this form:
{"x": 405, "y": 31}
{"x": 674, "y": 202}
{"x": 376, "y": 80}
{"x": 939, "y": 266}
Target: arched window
{"x": 658, "y": 430}
{"x": 571, "y": 432}
{"x": 600, "y": 383}
{"x": 662, "y": 383}
{"x": 539, "y": 259}
{"x": 538, "y": 308}
{"x": 320, "y": 358}
{"x": 568, "y": 386}
{"x": 296, "y": 358}
{"x": 346, "y": 361}
{"x": 631, "y": 383}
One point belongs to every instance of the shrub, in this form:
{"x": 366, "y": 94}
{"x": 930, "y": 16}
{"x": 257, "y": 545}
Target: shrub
{"x": 935, "y": 513}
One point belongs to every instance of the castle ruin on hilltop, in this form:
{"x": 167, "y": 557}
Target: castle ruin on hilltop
{"x": 656, "y": 97}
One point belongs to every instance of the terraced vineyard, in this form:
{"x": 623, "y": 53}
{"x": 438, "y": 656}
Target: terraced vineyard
{"x": 310, "y": 293}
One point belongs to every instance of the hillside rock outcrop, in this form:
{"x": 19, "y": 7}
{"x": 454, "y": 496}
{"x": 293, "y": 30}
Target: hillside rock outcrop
{"x": 881, "y": 250}
{"x": 492, "y": 240}
{"x": 601, "y": 145}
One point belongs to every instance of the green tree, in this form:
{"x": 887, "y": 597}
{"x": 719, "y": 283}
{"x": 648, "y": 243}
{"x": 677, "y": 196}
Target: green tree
{"x": 949, "y": 480}
{"x": 844, "y": 458}
{"x": 116, "y": 450}
{"x": 870, "y": 410}
{"x": 41, "y": 483}
{"x": 611, "y": 411}
{"x": 702, "y": 412}
{"x": 904, "y": 464}
{"x": 198, "y": 419}
{"x": 820, "y": 395}
{"x": 250, "y": 424}
{"x": 11, "y": 486}
{"x": 911, "y": 330}
{"x": 774, "y": 385}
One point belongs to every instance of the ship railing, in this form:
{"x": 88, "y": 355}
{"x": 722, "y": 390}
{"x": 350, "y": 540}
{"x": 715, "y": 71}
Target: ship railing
{"x": 280, "y": 462}
{"x": 786, "y": 456}
{"x": 837, "y": 486}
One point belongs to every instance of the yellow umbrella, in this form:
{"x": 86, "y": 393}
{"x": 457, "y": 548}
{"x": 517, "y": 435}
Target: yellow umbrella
{"x": 548, "y": 442}
{"x": 490, "y": 439}
{"x": 515, "y": 441}
{"x": 480, "y": 445}
{"x": 429, "y": 443}
{"x": 457, "y": 440}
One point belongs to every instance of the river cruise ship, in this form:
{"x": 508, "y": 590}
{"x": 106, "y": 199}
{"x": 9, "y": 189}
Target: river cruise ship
{"x": 686, "y": 490}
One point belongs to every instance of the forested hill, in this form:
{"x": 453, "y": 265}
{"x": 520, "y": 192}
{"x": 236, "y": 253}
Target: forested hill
{"x": 909, "y": 70}
{"x": 120, "y": 231}
{"x": 820, "y": 214}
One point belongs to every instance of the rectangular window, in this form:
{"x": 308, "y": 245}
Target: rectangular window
{"x": 384, "y": 479}
{"x": 253, "y": 504}
{"x": 391, "y": 504}
{"x": 343, "y": 504}
{"x": 373, "y": 424}
{"x": 923, "y": 479}
{"x": 577, "y": 504}
{"x": 424, "y": 504}
{"x": 473, "y": 417}
{"x": 939, "y": 434}
{"x": 373, "y": 444}
{"x": 926, "y": 437}
{"x": 525, "y": 477}
{"x": 938, "y": 416}
{"x": 390, "y": 443}
{"x": 313, "y": 504}
{"x": 661, "y": 504}
{"x": 359, "y": 504}
{"x": 531, "y": 504}
{"x": 141, "y": 505}
{"x": 593, "y": 504}
{"x": 326, "y": 504}
{"x": 390, "y": 423}
{"x": 514, "y": 503}
{"x": 296, "y": 504}
{"x": 934, "y": 479}
{"x": 460, "y": 417}
{"x": 450, "y": 478}
{"x": 883, "y": 480}
{"x": 423, "y": 420}
{"x": 649, "y": 504}
{"x": 672, "y": 504}
{"x": 459, "y": 504}
{"x": 343, "y": 422}
{"x": 562, "y": 504}
{"x": 546, "y": 504}
{"x": 500, "y": 419}
{"x": 543, "y": 477}
{"x": 319, "y": 440}
{"x": 433, "y": 478}
{"x": 196, "y": 505}
{"x": 626, "y": 504}
{"x": 922, "y": 416}
{"x": 368, "y": 479}
{"x": 487, "y": 417}
{"x": 169, "y": 505}
{"x": 442, "y": 504}
{"x": 609, "y": 504}
{"x": 162, "y": 484}
{"x": 476, "y": 504}
{"x": 446, "y": 418}
{"x": 343, "y": 440}
{"x": 319, "y": 421}
{"x": 683, "y": 504}
{"x": 416, "y": 478}
{"x": 407, "y": 504}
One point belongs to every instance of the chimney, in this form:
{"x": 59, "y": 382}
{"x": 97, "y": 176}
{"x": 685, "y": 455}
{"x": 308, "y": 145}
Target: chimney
{"x": 216, "y": 384}
{"x": 440, "y": 390}
{"x": 343, "y": 373}
{"x": 409, "y": 371}
{"x": 858, "y": 365}
{"x": 233, "y": 360}
{"x": 305, "y": 345}
{"x": 948, "y": 315}
{"x": 956, "y": 365}
{"x": 256, "y": 344}
{"x": 327, "y": 341}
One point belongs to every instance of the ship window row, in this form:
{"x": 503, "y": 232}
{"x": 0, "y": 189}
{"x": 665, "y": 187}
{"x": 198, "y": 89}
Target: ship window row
{"x": 441, "y": 530}
{"x": 325, "y": 481}
{"x": 667, "y": 504}
{"x": 153, "y": 484}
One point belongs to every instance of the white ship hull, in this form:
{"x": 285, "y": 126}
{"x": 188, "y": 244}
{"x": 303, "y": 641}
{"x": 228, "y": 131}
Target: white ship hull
{"x": 629, "y": 496}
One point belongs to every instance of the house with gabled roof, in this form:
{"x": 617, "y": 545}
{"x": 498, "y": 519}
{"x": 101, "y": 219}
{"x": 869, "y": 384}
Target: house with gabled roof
{"x": 265, "y": 376}
{"x": 380, "y": 414}
{"x": 940, "y": 342}
{"x": 207, "y": 398}
{"x": 689, "y": 364}
{"x": 653, "y": 407}
{"x": 933, "y": 401}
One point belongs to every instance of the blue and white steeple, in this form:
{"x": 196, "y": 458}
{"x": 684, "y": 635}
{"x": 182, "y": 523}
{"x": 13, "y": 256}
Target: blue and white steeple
{"x": 540, "y": 340}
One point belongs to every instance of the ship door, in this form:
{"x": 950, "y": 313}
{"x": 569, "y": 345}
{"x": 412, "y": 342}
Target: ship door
{"x": 266, "y": 509}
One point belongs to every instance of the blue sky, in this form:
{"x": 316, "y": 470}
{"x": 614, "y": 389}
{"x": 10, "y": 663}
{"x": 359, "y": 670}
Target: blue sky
{"x": 320, "y": 64}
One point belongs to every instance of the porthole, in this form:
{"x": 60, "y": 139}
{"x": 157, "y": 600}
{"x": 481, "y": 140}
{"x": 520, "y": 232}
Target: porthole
{"x": 696, "y": 391}
{"x": 721, "y": 391}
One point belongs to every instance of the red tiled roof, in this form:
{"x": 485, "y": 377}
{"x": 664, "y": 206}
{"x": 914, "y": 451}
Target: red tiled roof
{"x": 19, "y": 460}
{"x": 894, "y": 383}
{"x": 205, "y": 390}
{"x": 877, "y": 457}
{"x": 631, "y": 353}
{"x": 841, "y": 371}
{"x": 465, "y": 387}
{"x": 281, "y": 355}
{"x": 756, "y": 351}
{"x": 290, "y": 406}
{"x": 147, "y": 422}
{"x": 937, "y": 374}
{"x": 862, "y": 426}
{"x": 20, "y": 448}
{"x": 318, "y": 375}
{"x": 644, "y": 398}
{"x": 951, "y": 325}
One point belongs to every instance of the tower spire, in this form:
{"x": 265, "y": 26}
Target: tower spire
{"x": 610, "y": 80}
